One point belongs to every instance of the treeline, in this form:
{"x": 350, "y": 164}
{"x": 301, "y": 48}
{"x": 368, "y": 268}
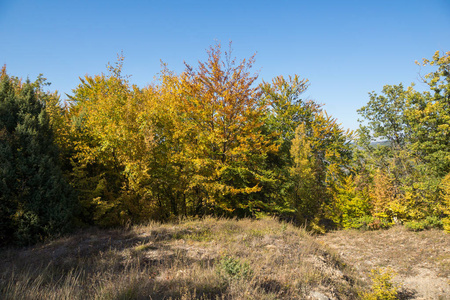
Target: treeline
{"x": 210, "y": 141}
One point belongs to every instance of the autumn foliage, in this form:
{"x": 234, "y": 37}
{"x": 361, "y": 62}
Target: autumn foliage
{"x": 214, "y": 141}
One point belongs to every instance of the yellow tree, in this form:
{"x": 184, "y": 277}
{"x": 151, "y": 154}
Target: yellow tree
{"x": 222, "y": 113}
{"x": 445, "y": 190}
{"x": 169, "y": 175}
{"x": 112, "y": 144}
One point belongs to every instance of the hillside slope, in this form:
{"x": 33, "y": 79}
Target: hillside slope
{"x": 421, "y": 260}
{"x": 225, "y": 259}
{"x": 209, "y": 259}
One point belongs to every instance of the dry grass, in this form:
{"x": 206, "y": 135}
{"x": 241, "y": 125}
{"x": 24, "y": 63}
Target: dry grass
{"x": 201, "y": 259}
{"x": 421, "y": 259}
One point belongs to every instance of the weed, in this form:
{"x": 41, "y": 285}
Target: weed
{"x": 284, "y": 226}
{"x": 257, "y": 233}
{"x": 233, "y": 268}
{"x": 144, "y": 247}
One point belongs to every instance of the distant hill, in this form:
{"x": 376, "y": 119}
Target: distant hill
{"x": 381, "y": 143}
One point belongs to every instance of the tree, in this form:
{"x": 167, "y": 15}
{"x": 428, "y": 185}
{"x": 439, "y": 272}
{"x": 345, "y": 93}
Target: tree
{"x": 113, "y": 141}
{"x": 385, "y": 115}
{"x": 35, "y": 199}
{"x": 429, "y": 116}
{"x": 409, "y": 166}
{"x": 287, "y": 110}
{"x": 309, "y": 188}
{"x": 314, "y": 151}
{"x": 321, "y": 154}
{"x": 224, "y": 115}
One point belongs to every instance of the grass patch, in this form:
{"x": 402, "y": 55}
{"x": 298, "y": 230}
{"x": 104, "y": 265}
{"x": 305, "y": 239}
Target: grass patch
{"x": 420, "y": 259}
{"x": 201, "y": 259}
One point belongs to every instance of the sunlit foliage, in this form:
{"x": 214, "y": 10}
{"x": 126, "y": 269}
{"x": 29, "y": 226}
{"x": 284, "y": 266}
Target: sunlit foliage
{"x": 213, "y": 141}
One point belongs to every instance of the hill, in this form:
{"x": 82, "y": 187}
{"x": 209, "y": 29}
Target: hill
{"x": 203, "y": 259}
{"x": 420, "y": 260}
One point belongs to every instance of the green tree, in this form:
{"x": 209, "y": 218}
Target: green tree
{"x": 385, "y": 115}
{"x": 287, "y": 110}
{"x": 408, "y": 166}
{"x": 429, "y": 116}
{"x": 314, "y": 152}
{"x": 321, "y": 154}
{"x": 35, "y": 199}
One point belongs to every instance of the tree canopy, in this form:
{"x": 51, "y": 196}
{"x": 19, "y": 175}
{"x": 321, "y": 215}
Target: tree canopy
{"x": 213, "y": 141}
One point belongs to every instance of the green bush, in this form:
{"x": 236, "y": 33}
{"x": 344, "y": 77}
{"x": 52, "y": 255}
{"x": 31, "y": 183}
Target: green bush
{"x": 233, "y": 268}
{"x": 415, "y": 225}
{"x": 434, "y": 222}
{"x": 369, "y": 223}
{"x": 429, "y": 222}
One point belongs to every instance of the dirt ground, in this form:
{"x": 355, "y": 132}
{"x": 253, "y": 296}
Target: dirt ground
{"x": 421, "y": 260}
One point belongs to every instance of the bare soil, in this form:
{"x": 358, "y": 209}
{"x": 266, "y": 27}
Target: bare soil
{"x": 420, "y": 259}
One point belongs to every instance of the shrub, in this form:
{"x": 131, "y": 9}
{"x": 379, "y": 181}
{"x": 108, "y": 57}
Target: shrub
{"x": 415, "y": 225}
{"x": 434, "y": 222}
{"x": 382, "y": 286}
{"x": 369, "y": 223}
{"x": 429, "y": 222}
{"x": 233, "y": 268}
{"x": 446, "y": 224}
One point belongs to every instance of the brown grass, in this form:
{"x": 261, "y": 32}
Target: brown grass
{"x": 421, "y": 259}
{"x": 201, "y": 259}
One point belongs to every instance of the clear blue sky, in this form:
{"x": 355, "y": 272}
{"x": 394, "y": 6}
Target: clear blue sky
{"x": 345, "y": 48}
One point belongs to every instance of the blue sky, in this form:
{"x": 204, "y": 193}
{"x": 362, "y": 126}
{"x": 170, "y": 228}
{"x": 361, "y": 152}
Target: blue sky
{"x": 345, "y": 48}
